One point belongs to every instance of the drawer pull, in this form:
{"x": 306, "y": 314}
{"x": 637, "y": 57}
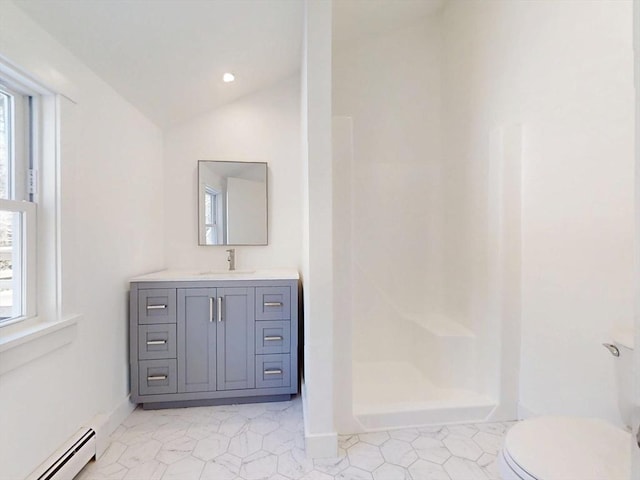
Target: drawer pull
{"x": 272, "y": 304}
{"x": 151, "y": 378}
{"x": 156, "y": 307}
{"x": 273, "y": 338}
{"x": 156, "y": 342}
{"x": 275, "y": 371}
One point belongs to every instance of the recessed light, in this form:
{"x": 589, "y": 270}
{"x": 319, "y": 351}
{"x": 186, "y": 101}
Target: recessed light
{"x": 228, "y": 77}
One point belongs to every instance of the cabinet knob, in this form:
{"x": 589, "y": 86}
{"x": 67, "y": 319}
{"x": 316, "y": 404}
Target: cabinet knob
{"x": 152, "y": 378}
{"x": 274, "y": 371}
{"x": 272, "y": 338}
{"x": 156, "y": 342}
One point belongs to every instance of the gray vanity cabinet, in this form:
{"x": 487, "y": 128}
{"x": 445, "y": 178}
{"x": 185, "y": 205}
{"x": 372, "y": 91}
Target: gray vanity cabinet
{"x": 197, "y": 329}
{"x": 206, "y": 342}
{"x": 216, "y": 339}
{"x": 236, "y": 338}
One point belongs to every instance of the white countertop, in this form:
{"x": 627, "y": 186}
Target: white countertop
{"x": 240, "y": 274}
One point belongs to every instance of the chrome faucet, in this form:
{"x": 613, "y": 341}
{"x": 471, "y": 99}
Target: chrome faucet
{"x": 231, "y": 258}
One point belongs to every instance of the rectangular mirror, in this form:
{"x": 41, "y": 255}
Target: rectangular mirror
{"x": 232, "y": 203}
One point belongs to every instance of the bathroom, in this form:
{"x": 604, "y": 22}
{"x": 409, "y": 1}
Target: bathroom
{"x": 461, "y": 170}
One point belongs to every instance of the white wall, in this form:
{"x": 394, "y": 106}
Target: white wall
{"x": 112, "y": 218}
{"x": 317, "y": 267}
{"x": 390, "y": 86}
{"x": 246, "y": 211}
{"x": 262, "y": 127}
{"x": 563, "y": 70}
{"x": 342, "y": 139}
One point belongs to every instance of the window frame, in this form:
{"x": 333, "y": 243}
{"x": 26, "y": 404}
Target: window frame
{"x": 216, "y": 213}
{"x": 42, "y": 213}
{"x": 28, "y": 250}
{"x": 25, "y": 145}
{"x": 21, "y": 107}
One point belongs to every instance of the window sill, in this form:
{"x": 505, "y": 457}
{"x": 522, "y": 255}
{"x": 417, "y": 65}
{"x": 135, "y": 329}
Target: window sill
{"x": 24, "y": 346}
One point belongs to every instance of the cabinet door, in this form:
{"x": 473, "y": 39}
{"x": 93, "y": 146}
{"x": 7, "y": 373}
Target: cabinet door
{"x": 196, "y": 339}
{"x": 236, "y": 338}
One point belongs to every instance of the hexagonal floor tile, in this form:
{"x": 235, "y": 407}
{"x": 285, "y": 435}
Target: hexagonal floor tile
{"x": 210, "y": 447}
{"x": 463, "y": 469}
{"x": 424, "y": 470}
{"x": 398, "y": 452}
{"x": 258, "y": 466}
{"x": 186, "y": 469}
{"x": 374, "y": 438}
{"x": 391, "y": 472}
{"x": 365, "y": 456}
{"x": 488, "y": 442}
{"x": 431, "y": 449}
{"x": 354, "y": 473}
{"x": 245, "y": 443}
{"x": 225, "y": 467}
{"x": 294, "y": 464}
{"x": 463, "y": 447}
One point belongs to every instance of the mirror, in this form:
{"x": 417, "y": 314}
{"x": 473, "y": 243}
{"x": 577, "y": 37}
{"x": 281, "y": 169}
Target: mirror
{"x": 232, "y": 203}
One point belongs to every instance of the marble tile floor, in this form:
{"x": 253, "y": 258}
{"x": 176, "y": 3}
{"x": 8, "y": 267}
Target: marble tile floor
{"x": 266, "y": 441}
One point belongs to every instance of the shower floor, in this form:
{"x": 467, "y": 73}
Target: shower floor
{"x": 397, "y": 394}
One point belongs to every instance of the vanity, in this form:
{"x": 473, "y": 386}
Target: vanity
{"x": 207, "y": 338}
{"x": 217, "y": 337}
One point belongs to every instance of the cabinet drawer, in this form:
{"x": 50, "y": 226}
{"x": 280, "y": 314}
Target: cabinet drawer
{"x": 156, "y": 341}
{"x": 273, "y": 371}
{"x": 157, "y": 305}
{"x": 157, "y": 376}
{"x": 273, "y": 303}
{"x": 273, "y": 336}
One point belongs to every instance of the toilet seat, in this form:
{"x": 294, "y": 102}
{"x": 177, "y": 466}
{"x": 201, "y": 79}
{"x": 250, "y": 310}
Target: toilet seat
{"x": 509, "y": 469}
{"x": 550, "y": 448}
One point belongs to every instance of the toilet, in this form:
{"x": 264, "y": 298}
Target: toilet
{"x": 568, "y": 448}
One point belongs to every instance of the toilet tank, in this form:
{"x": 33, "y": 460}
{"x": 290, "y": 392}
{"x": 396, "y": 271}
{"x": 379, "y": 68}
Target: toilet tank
{"x": 623, "y": 340}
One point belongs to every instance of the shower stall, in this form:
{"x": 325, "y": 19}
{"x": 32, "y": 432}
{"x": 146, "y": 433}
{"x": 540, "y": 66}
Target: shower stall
{"x": 425, "y": 232}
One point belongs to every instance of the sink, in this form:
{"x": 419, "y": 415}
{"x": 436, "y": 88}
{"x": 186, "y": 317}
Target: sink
{"x": 227, "y": 272}
{"x": 195, "y": 275}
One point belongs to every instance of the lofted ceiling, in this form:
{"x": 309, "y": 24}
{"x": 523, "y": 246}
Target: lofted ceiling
{"x": 167, "y": 57}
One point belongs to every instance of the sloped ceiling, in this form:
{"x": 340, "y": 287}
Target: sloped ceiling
{"x": 167, "y": 57}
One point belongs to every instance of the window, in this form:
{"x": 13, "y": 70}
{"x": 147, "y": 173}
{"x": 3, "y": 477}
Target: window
{"x": 211, "y": 223}
{"x": 17, "y": 206}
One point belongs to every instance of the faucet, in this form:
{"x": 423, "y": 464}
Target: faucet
{"x": 231, "y": 258}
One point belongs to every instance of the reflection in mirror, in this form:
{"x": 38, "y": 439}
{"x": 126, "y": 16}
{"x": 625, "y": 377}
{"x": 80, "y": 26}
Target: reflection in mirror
{"x": 232, "y": 203}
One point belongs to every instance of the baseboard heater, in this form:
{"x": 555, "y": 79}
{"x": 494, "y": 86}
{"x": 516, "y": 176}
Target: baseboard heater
{"x": 67, "y": 462}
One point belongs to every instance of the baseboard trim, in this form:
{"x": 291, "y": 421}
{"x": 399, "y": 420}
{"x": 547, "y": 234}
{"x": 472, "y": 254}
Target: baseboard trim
{"x": 120, "y": 413}
{"x": 317, "y": 445}
{"x": 105, "y": 424}
{"x": 324, "y": 445}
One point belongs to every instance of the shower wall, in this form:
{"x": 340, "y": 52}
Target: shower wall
{"x": 389, "y": 86}
{"x": 490, "y": 178}
{"x": 564, "y": 71}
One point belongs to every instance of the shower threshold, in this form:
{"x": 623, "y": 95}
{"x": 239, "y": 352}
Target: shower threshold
{"x": 396, "y": 394}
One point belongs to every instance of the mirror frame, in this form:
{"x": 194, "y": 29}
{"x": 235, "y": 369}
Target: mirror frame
{"x": 266, "y": 200}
